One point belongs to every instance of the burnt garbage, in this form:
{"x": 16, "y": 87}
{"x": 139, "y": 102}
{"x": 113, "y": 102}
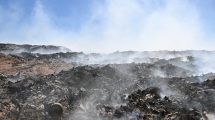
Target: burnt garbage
{"x": 38, "y": 84}
{"x": 148, "y": 105}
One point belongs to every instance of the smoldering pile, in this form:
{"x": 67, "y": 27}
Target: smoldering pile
{"x": 165, "y": 85}
{"x": 148, "y": 105}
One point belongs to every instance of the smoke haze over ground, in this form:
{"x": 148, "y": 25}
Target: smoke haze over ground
{"x": 107, "y": 60}
{"x": 110, "y": 25}
{"x": 51, "y": 82}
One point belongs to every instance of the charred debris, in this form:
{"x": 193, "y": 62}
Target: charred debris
{"x": 53, "y": 83}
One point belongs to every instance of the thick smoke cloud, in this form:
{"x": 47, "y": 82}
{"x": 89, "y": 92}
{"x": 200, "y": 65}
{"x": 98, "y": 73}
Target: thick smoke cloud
{"x": 113, "y": 25}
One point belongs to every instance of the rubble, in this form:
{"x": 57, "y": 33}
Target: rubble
{"x": 45, "y": 49}
{"x": 36, "y": 86}
{"x": 148, "y": 105}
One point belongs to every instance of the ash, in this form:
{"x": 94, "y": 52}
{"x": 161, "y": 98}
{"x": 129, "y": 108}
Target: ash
{"x": 53, "y": 83}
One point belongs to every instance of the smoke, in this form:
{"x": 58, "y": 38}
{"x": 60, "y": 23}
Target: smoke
{"x": 34, "y": 49}
{"x": 110, "y": 88}
{"x": 210, "y": 116}
{"x": 204, "y": 62}
{"x": 197, "y": 62}
{"x": 130, "y": 57}
{"x": 112, "y": 25}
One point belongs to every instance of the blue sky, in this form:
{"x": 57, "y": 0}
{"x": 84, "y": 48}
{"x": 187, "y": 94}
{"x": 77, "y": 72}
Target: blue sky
{"x": 110, "y": 25}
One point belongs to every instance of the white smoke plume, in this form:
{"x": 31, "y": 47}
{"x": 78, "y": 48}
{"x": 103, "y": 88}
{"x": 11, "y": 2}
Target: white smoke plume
{"x": 123, "y": 25}
{"x": 210, "y": 116}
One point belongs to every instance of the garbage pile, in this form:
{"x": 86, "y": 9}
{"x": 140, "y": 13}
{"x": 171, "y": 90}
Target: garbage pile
{"x": 148, "y": 105}
{"x": 60, "y": 86}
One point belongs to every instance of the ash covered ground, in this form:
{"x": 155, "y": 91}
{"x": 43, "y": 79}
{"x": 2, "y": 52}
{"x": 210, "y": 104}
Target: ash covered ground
{"x": 54, "y": 83}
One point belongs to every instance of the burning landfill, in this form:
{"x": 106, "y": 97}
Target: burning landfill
{"x": 53, "y": 83}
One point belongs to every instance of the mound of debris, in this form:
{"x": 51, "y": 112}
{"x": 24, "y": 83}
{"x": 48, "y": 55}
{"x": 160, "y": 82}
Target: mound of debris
{"x": 17, "y": 68}
{"x": 78, "y": 86}
{"x": 148, "y": 105}
{"x": 14, "y": 49}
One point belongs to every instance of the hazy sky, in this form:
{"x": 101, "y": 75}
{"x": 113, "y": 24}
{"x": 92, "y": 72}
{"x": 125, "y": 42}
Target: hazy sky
{"x": 110, "y": 25}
